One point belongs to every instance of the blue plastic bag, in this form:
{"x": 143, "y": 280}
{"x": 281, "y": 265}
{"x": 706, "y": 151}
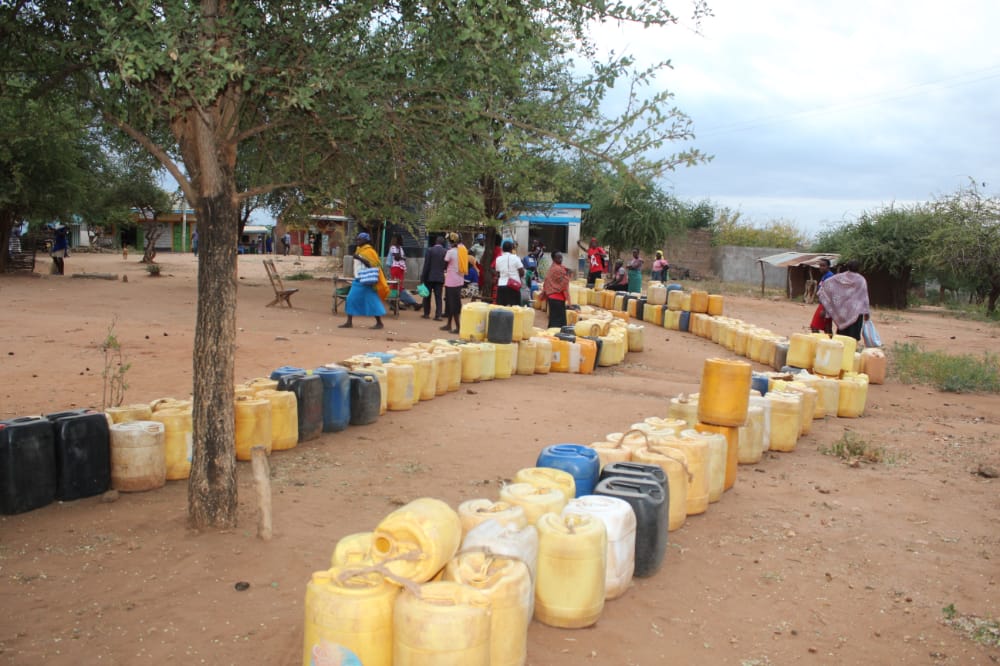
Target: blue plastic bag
{"x": 870, "y": 335}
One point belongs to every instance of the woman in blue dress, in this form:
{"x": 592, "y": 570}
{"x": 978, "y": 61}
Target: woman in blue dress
{"x": 366, "y": 300}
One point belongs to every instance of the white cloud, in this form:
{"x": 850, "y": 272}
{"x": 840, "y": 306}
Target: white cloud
{"x": 819, "y": 111}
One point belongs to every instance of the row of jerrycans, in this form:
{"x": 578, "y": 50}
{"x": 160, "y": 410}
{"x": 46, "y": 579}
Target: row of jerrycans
{"x": 509, "y": 324}
{"x": 430, "y": 585}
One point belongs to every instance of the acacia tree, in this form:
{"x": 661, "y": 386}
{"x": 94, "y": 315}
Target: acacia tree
{"x": 314, "y": 88}
{"x": 965, "y": 241}
{"x": 891, "y": 240}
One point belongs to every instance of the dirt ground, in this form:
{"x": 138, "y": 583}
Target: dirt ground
{"x": 806, "y": 560}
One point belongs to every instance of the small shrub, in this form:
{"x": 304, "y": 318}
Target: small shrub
{"x": 301, "y": 275}
{"x": 959, "y": 373}
{"x": 852, "y": 448}
{"x": 115, "y": 367}
{"x": 980, "y": 630}
{"x": 153, "y": 270}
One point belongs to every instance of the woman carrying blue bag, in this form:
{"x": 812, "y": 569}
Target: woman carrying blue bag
{"x": 369, "y": 288}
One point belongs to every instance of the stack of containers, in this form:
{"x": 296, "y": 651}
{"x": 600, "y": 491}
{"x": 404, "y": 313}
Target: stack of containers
{"x": 723, "y": 400}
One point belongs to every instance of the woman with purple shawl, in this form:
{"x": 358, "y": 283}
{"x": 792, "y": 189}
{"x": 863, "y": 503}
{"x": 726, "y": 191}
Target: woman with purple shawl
{"x": 845, "y": 299}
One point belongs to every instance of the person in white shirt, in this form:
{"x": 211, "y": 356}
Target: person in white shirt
{"x": 509, "y": 269}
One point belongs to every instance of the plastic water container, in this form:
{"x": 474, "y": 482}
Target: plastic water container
{"x": 472, "y": 365}
{"x": 579, "y": 461}
{"x": 126, "y": 413}
{"x": 353, "y": 549}
{"x": 472, "y": 321}
{"x": 535, "y": 501}
{"x": 426, "y": 530}
{"x": 336, "y": 397}
{"x": 751, "y": 437}
{"x": 500, "y": 326}
{"x": 138, "y": 458}
{"x": 649, "y": 502}
{"x": 548, "y": 477}
{"x": 401, "y": 379}
{"x": 278, "y": 373}
{"x": 853, "y": 395}
{"x": 82, "y": 444}
{"x": 507, "y": 583}
{"x": 253, "y": 426}
{"x": 829, "y": 357}
{"x": 509, "y": 540}
{"x": 346, "y": 607}
{"x": 178, "y": 445}
{"x": 718, "y": 450}
{"x": 620, "y": 524}
{"x": 569, "y": 590}
{"x": 674, "y": 464}
{"x": 725, "y": 392}
{"x": 732, "y": 435}
{"x": 873, "y": 364}
{"x": 308, "y": 390}
{"x": 27, "y": 464}
{"x": 543, "y": 355}
{"x": 475, "y": 511}
{"x": 506, "y": 360}
{"x": 365, "y": 398}
{"x": 611, "y": 452}
{"x": 698, "y": 462}
{"x": 284, "y": 419}
{"x": 685, "y": 408}
{"x": 526, "y": 357}
{"x": 786, "y": 414}
{"x": 445, "y": 624}
{"x": 487, "y": 361}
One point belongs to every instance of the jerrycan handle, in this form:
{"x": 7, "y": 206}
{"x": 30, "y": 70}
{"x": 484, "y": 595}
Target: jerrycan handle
{"x": 621, "y": 439}
{"x": 622, "y": 484}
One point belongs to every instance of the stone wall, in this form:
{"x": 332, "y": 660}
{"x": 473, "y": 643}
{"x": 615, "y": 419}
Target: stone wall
{"x": 691, "y": 252}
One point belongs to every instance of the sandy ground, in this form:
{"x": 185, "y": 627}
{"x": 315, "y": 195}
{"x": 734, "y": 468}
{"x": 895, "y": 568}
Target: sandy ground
{"x": 806, "y": 560}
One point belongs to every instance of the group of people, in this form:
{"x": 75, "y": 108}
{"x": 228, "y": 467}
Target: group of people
{"x": 843, "y": 300}
{"x": 626, "y": 275}
{"x": 445, "y": 268}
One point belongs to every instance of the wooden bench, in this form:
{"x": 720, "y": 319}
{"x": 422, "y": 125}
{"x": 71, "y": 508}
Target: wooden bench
{"x": 281, "y": 295}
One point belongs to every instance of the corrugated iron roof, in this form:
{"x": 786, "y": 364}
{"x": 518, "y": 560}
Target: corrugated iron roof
{"x": 786, "y": 259}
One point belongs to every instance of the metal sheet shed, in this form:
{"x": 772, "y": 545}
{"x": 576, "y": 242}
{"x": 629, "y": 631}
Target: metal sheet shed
{"x": 803, "y": 268}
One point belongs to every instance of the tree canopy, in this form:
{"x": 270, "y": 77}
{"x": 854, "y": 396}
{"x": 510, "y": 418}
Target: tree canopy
{"x": 378, "y": 103}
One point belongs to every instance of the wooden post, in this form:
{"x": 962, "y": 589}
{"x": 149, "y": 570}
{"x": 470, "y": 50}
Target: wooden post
{"x": 262, "y": 484}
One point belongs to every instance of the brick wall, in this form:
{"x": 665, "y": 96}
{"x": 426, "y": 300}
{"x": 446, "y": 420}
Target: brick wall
{"x": 691, "y": 251}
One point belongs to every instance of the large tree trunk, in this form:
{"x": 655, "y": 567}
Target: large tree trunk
{"x": 212, "y": 499}
{"x": 206, "y": 141}
{"x": 6, "y": 229}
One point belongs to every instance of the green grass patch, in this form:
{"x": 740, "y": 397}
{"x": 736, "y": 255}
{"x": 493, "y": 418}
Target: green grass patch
{"x": 854, "y": 449}
{"x": 301, "y": 275}
{"x": 954, "y": 373}
{"x": 977, "y": 629}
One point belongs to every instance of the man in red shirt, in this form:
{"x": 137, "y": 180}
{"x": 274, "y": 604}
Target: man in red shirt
{"x": 597, "y": 261}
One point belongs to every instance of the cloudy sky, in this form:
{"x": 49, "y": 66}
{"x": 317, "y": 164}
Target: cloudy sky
{"x": 817, "y": 111}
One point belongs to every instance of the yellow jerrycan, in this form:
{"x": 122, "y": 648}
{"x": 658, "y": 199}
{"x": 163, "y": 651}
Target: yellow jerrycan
{"x": 177, "y": 441}
{"x": 442, "y": 623}
{"x": 253, "y": 426}
{"x": 475, "y": 511}
{"x": 284, "y": 418}
{"x": 786, "y": 414}
{"x": 548, "y": 477}
{"x": 536, "y": 501}
{"x": 732, "y": 435}
{"x": 416, "y": 540}
{"x": 507, "y": 583}
{"x": 353, "y": 550}
{"x": 725, "y": 392}
{"x": 674, "y": 465}
{"x": 572, "y": 563}
{"x": 345, "y": 606}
